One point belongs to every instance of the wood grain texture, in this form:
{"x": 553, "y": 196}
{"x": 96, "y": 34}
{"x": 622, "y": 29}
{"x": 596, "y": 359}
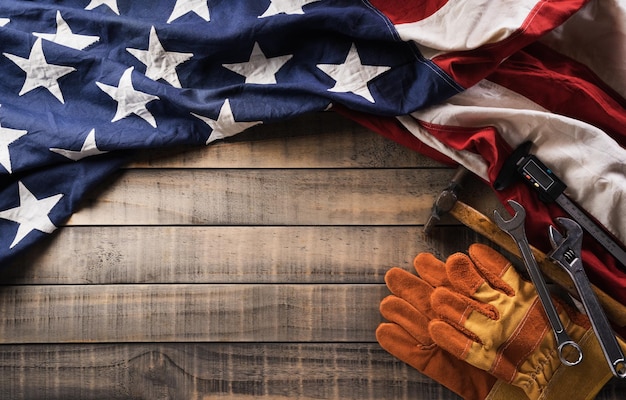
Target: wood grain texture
{"x": 189, "y": 371}
{"x": 212, "y": 370}
{"x": 170, "y": 313}
{"x": 263, "y": 197}
{"x": 321, "y": 140}
{"x": 266, "y": 197}
{"x": 233, "y": 254}
{"x": 250, "y": 268}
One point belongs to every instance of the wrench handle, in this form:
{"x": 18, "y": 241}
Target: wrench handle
{"x": 563, "y": 340}
{"x": 600, "y": 324}
{"x": 540, "y": 285}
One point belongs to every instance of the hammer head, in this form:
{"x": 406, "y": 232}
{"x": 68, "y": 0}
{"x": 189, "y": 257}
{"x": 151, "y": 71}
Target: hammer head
{"x": 446, "y": 199}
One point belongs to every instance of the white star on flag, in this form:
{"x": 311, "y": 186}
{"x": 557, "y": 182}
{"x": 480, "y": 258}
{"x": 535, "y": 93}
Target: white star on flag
{"x": 259, "y": 69}
{"x": 31, "y": 214}
{"x": 65, "y": 37}
{"x": 225, "y": 125}
{"x": 286, "y": 7}
{"x": 4, "y": 21}
{"x": 112, "y": 4}
{"x": 160, "y": 64}
{"x": 88, "y": 149}
{"x": 129, "y": 100}
{"x": 39, "y": 73}
{"x": 8, "y": 136}
{"x": 182, "y": 7}
{"x": 352, "y": 76}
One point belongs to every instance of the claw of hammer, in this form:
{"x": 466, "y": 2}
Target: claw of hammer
{"x": 446, "y": 199}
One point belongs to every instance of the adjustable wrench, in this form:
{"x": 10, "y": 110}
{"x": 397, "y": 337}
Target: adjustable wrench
{"x": 567, "y": 254}
{"x": 515, "y": 228}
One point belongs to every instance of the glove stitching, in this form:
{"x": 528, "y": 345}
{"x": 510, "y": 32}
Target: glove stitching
{"x": 466, "y": 350}
{"x": 510, "y": 341}
{"x": 489, "y": 276}
{"x": 540, "y": 367}
{"x": 465, "y": 315}
{"x": 459, "y": 325}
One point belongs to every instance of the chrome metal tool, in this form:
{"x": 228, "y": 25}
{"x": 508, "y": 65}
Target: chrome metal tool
{"x": 515, "y": 228}
{"x": 550, "y": 188}
{"x": 566, "y": 253}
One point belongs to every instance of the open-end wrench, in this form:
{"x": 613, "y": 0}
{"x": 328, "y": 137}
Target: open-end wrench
{"x": 566, "y": 253}
{"x": 515, "y": 228}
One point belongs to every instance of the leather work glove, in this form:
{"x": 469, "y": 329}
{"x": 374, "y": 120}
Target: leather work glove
{"x": 407, "y": 338}
{"x": 483, "y": 314}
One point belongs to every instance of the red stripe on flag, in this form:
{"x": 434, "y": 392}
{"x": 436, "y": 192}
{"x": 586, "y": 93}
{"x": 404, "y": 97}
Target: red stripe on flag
{"x": 581, "y": 94}
{"x": 469, "y": 67}
{"x": 402, "y": 11}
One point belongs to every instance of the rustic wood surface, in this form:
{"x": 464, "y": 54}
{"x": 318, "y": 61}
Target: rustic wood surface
{"x": 250, "y": 268}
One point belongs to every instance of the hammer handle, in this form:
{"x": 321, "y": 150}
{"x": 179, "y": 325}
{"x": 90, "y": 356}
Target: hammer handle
{"x": 479, "y": 223}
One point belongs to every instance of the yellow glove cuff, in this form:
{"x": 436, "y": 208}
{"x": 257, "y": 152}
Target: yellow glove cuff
{"x": 580, "y": 382}
{"x": 505, "y": 391}
{"x": 584, "y": 380}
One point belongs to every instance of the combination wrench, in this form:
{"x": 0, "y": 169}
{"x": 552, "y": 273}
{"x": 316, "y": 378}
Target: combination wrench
{"x": 515, "y": 228}
{"x": 566, "y": 252}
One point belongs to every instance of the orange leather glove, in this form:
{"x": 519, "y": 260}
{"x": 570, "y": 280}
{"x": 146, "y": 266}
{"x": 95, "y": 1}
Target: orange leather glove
{"x": 406, "y": 335}
{"x": 482, "y": 313}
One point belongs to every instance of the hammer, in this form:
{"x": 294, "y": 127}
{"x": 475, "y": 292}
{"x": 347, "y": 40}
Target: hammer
{"x": 446, "y": 199}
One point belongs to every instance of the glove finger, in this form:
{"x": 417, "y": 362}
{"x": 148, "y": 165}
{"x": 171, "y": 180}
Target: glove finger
{"x": 431, "y": 269}
{"x": 456, "y": 308}
{"x": 410, "y": 288}
{"x": 493, "y": 266}
{"x": 466, "y": 328}
{"x": 401, "y": 344}
{"x": 468, "y": 279}
{"x": 451, "y": 339}
{"x": 400, "y": 312}
{"x": 465, "y": 380}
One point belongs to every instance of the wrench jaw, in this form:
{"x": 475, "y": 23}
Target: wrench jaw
{"x": 516, "y": 222}
{"x": 566, "y": 247}
{"x": 574, "y": 233}
{"x": 556, "y": 239}
{"x": 518, "y": 208}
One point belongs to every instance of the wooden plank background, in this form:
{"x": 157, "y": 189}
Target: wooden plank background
{"x": 250, "y": 268}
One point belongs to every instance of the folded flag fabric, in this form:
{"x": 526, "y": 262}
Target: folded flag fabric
{"x": 87, "y": 82}
{"x": 565, "y": 93}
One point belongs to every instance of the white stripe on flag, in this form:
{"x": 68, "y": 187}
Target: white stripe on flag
{"x": 475, "y": 23}
{"x": 590, "y": 162}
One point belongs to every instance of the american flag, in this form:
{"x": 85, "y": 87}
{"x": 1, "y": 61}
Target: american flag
{"x": 86, "y": 82}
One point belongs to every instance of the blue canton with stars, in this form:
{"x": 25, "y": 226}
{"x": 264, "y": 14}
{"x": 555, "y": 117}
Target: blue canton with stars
{"x": 85, "y": 82}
